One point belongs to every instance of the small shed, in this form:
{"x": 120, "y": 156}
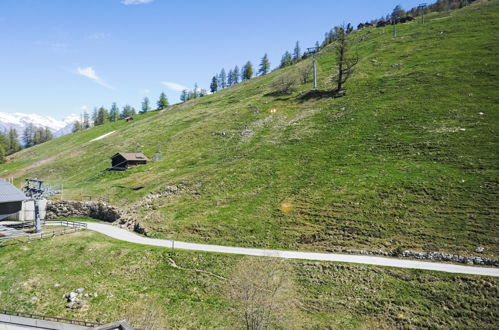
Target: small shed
{"x": 125, "y": 160}
{"x": 128, "y": 119}
{"x": 11, "y": 199}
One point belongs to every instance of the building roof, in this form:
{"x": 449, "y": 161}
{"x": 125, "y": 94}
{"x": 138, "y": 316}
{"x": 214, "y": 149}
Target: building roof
{"x": 132, "y": 155}
{"x": 9, "y": 193}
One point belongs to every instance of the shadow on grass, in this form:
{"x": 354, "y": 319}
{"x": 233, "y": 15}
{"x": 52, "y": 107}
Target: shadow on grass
{"x": 320, "y": 94}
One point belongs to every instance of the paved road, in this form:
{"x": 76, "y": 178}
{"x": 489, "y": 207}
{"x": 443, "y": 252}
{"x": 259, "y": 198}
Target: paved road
{"x": 128, "y": 236}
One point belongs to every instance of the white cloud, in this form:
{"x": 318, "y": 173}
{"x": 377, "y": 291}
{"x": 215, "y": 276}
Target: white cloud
{"x": 90, "y": 73}
{"x": 98, "y": 36}
{"x": 135, "y": 2}
{"x": 144, "y": 91}
{"x": 84, "y": 107}
{"x": 174, "y": 86}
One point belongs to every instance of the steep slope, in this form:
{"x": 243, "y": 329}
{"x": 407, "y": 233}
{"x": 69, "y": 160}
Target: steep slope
{"x": 406, "y": 161}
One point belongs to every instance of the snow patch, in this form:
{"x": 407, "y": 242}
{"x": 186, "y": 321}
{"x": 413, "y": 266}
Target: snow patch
{"x": 102, "y": 136}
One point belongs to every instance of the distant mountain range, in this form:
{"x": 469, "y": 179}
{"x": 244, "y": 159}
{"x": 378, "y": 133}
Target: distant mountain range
{"x": 19, "y": 121}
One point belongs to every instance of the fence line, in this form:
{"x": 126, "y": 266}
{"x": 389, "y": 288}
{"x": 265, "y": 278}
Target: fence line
{"x": 71, "y": 227}
{"x": 49, "y": 318}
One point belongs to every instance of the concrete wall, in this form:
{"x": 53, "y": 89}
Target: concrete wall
{"x": 27, "y": 212}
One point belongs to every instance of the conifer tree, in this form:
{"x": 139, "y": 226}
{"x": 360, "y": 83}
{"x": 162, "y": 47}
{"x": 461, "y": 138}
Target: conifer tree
{"x": 235, "y": 79}
{"x": 102, "y": 116}
{"x": 114, "y": 113}
{"x": 286, "y": 60}
{"x": 163, "y": 101}
{"x": 195, "y": 91}
{"x": 297, "y": 52}
{"x": 214, "y": 85}
{"x": 2, "y": 154}
{"x": 145, "y": 107}
{"x": 264, "y": 65}
{"x": 223, "y": 79}
{"x": 13, "y": 142}
{"x": 86, "y": 120}
{"x": 184, "y": 95}
{"x": 247, "y": 71}
{"x": 230, "y": 78}
{"x": 344, "y": 62}
{"x": 76, "y": 126}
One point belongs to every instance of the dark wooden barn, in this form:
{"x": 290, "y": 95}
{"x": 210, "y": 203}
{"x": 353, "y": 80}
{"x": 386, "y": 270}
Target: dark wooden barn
{"x": 125, "y": 160}
{"x": 11, "y": 199}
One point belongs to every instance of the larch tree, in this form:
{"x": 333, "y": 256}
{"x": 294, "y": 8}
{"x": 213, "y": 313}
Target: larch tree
{"x": 286, "y": 60}
{"x": 163, "y": 101}
{"x": 223, "y": 79}
{"x": 264, "y": 65}
{"x": 247, "y": 71}
{"x": 13, "y": 141}
{"x": 230, "y": 78}
{"x": 344, "y": 61}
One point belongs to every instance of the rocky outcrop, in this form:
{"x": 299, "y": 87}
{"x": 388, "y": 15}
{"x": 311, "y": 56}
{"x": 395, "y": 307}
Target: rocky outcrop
{"x": 437, "y": 256}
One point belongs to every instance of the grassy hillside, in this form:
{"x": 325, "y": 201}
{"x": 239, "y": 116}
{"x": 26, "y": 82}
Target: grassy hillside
{"x": 132, "y": 280}
{"x": 408, "y": 159}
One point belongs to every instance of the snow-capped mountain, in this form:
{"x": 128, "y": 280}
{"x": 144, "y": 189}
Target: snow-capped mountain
{"x": 19, "y": 121}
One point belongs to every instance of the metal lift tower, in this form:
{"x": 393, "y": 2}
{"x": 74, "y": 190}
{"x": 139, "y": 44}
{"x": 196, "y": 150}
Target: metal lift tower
{"x": 35, "y": 191}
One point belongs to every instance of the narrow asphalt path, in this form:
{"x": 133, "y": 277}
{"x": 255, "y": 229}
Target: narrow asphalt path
{"x": 125, "y": 235}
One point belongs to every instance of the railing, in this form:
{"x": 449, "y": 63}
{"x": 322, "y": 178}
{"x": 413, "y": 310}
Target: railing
{"x": 72, "y": 226}
{"x": 50, "y": 318}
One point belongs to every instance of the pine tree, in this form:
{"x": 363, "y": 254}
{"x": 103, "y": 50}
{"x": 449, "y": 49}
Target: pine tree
{"x": 145, "y": 105}
{"x": 223, "y": 79}
{"x": 247, "y": 72}
{"x": 13, "y": 142}
{"x": 264, "y": 65}
{"x": 163, "y": 101}
{"x": 183, "y": 95}
{"x": 3, "y": 147}
{"x": 114, "y": 113}
{"x": 297, "y": 53}
{"x": 286, "y": 60}
{"x": 235, "y": 79}
{"x": 230, "y": 78}
{"x": 214, "y": 85}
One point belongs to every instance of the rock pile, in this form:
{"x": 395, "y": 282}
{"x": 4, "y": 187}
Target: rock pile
{"x": 75, "y": 299}
{"x": 469, "y": 260}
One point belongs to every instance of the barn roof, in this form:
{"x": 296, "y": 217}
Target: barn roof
{"x": 9, "y": 193}
{"x": 132, "y": 155}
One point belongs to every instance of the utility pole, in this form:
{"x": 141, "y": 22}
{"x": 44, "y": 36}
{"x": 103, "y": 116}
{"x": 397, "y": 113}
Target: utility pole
{"x": 394, "y": 22}
{"x": 314, "y": 50}
{"x": 422, "y": 7}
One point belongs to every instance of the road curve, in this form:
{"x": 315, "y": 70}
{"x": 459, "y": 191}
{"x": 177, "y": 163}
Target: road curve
{"x": 125, "y": 235}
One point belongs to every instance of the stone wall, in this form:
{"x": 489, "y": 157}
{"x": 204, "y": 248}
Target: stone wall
{"x": 94, "y": 210}
{"x": 436, "y": 256}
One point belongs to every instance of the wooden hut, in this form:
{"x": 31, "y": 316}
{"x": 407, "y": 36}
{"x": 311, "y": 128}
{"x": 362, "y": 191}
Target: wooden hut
{"x": 125, "y": 160}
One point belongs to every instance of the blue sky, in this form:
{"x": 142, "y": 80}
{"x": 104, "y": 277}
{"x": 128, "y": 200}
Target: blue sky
{"x": 59, "y": 57}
